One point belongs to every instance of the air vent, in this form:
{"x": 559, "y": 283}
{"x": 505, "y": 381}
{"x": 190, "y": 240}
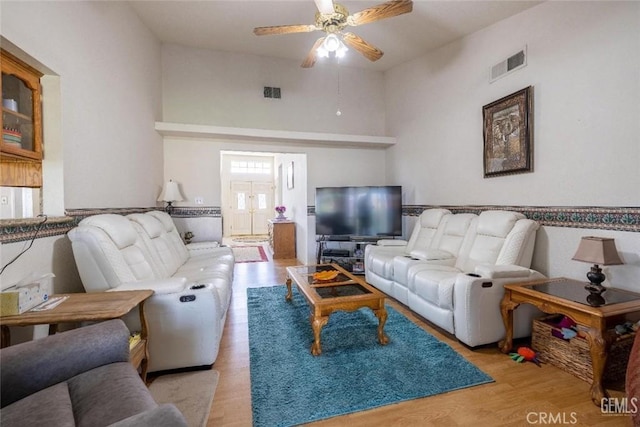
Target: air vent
{"x": 512, "y": 63}
{"x": 272, "y": 92}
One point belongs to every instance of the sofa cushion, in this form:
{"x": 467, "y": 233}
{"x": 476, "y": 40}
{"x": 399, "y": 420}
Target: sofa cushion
{"x": 426, "y": 229}
{"x": 160, "y": 250}
{"x": 48, "y": 407}
{"x": 431, "y": 254}
{"x": 108, "y": 394}
{"x": 382, "y": 264}
{"x": 117, "y": 227}
{"x": 171, "y": 234}
{"x": 436, "y": 286}
{"x": 454, "y": 230}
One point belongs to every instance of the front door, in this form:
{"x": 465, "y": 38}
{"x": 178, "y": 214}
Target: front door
{"x": 251, "y": 205}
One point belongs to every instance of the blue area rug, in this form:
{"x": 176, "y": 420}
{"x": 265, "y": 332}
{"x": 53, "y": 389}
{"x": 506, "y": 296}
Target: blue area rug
{"x": 289, "y": 386}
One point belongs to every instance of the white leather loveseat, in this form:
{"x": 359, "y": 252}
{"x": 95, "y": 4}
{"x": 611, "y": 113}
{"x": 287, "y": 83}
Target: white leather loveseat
{"x": 453, "y": 269}
{"x": 192, "y": 288}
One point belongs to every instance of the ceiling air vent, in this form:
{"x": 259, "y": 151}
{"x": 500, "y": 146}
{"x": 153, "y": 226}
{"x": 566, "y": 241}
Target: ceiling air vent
{"x": 512, "y": 63}
{"x": 271, "y": 92}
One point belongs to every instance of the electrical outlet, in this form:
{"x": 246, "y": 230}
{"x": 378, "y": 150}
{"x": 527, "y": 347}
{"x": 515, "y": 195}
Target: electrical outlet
{"x": 4, "y": 200}
{"x": 199, "y": 200}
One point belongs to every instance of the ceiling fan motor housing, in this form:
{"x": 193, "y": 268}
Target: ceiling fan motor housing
{"x": 333, "y": 22}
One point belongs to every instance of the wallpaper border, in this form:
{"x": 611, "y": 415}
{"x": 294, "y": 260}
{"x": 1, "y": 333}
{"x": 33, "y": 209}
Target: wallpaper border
{"x": 603, "y": 218}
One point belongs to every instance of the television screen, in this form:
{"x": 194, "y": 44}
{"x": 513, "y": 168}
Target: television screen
{"x": 359, "y": 211}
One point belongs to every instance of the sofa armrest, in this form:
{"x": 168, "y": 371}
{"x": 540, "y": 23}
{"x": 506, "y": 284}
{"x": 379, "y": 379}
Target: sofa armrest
{"x": 35, "y": 365}
{"x": 170, "y": 285}
{"x": 391, "y": 242}
{"x": 477, "y": 317}
{"x": 202, "y": 248}
{"x": 166, "y": 415}
{"x": 503, "y": 271}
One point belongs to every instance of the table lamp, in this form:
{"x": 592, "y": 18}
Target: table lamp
{"x": 170, "y": 193}
{"x": 599, "y": 251}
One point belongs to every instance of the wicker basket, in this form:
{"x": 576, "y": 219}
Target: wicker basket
{"x": 574, "y": 356}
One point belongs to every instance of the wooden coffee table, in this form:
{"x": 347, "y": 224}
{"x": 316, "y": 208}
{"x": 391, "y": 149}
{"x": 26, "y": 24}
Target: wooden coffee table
{"x": 346, "y": 292}
{"x": 86, "y": 307}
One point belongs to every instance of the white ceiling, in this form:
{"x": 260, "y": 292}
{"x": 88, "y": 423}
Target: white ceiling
{"x": 228, "y": 26}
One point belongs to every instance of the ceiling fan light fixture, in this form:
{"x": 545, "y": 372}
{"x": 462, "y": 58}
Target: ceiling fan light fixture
{"x": 322, "y": 52}
{"x": 332, "y": 43}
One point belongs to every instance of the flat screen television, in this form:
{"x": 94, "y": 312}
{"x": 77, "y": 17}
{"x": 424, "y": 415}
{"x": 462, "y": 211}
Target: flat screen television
{"x": 359, "y": 211}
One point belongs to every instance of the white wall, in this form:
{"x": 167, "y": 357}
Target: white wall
{"x": 584, "y": 65}
{"x": 195, "y": 164}
{"x": 109, "y": 68}
{"x": 226, "y": 89}
{"x": 108, "y": 65}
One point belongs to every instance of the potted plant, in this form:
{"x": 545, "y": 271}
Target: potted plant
{"x": 281, "y": 210}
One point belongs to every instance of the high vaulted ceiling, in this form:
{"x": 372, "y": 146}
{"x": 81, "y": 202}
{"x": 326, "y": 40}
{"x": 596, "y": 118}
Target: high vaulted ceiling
{"x": 228, "y": 26}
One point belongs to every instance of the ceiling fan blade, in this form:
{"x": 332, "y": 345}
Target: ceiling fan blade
{"x": 284, "y": 29}
{"x": 371, "y": 52}
{"x": 325, "y": 7}
{"x": 310, "y": 60}
{"x": 381, "y": 11}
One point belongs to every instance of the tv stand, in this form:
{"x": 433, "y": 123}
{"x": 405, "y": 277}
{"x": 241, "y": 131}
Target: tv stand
{"x": 347, "y": 251}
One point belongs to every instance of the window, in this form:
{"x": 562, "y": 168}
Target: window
{"x": 241, "y": 166}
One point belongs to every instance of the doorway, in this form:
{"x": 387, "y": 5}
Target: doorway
{"x": 248, "y": 192}
{"x": 251, "y": 205}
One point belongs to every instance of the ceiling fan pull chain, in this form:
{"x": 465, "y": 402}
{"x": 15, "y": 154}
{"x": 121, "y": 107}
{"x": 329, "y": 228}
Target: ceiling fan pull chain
{"x": 339, "y": 113}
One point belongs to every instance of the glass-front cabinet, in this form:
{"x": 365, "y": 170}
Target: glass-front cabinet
{"x": 21, "y": 111}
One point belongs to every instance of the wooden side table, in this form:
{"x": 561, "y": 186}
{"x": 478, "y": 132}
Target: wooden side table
{"x": 569, "y": 297}
{"x": 79, "y": 307}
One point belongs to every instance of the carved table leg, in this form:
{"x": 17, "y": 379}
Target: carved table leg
{"x": 381, "y": 314}
{"x": 317, "y": 323}
{"x": 289, "y": 293}
{"x": 598, "y": 347}
{"x": 144, "y": 334}
{"x": 506, "y": 309}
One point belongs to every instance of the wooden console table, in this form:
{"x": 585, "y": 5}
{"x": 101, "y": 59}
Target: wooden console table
{"x": 282, "y": 239}
{"x": 569, "y": 297}
{"x": 81, "y": 307}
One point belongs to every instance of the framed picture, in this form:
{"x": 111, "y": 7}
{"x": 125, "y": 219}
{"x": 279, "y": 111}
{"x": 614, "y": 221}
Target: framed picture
{"x": 508, "y": 134}
{"x": 290, "y": 176}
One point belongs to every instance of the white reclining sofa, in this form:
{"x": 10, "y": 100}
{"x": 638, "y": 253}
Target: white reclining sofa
{"x": 191, "y": 283}
{"x": 453, "y": 269}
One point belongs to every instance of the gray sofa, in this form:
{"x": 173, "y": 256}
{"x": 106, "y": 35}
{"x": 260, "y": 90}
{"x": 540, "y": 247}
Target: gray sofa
{"x": 78, "y": 378}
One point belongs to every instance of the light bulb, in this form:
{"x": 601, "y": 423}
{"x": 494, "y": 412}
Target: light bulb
{"x": 331, "y": 43}
{"x": 338, "y": 113}
{"x": 322, "y": 52}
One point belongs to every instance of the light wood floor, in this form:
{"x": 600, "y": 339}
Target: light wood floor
{"x": 522, "y": 394}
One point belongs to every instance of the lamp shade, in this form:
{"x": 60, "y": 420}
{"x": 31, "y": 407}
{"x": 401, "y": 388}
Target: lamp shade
{"x": 598, "y": 250}
{"x": 170, "y": 193}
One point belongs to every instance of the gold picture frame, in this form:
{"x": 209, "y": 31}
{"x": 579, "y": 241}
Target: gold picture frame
{"x": 508, "y": 134}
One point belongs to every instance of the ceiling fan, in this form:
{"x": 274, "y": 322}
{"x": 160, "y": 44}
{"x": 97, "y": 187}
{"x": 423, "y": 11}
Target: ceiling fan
{"x": 333, "y": 18}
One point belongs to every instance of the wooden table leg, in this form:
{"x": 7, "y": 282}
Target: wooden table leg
{"x": 289, "y": 293}
{"x": 144, "y": 365}
{"x": 317, "y": 323}
{"x": 381, "y": 314}
{"x": 506, "y": 309}
{"x": 598, "y": 347}
{"x": 6, "y": 336}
